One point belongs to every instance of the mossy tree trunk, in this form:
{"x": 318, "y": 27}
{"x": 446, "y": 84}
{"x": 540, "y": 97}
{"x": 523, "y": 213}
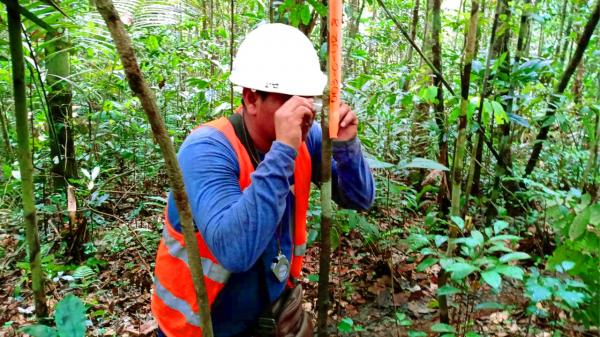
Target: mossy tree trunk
{"x": 25, "y": 160}
{"x": 62, "y": 148}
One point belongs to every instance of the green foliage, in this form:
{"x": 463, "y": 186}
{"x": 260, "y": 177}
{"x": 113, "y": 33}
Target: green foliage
{"x": 346, "y": 326}
{"x": 69, "y": 318}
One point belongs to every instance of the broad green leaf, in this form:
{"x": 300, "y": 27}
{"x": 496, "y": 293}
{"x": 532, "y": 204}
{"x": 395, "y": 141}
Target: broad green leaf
{"x": 426, "y": 263}
{"x": 442, "y": 327}
{"x": 423, "y": 163}
{"x": 345, "y": 325}
{"x": 537, "y": 293}
{"x": 460, "y": 270}
{"x": 510, "y": 271}
{"x": 514, "y": 256}
{"x": 504, "y": 237}
{"x": 579, "y": 224}
{"x": 472, "y": 334}
{"x": 499, "y": 226}
{"x": 499, "y": 114}
{"x": 458, "y": 221}
{"x": 572, "y": 298}
{"x": 492, "y": 278}
{"x": 70, "y": 317}
{"x": 565, "y": 266}
{"x": 489, "y": 306}
{"x": 39, "y": 330}
{"x": 413, "y": 333}
{"x": 478, "y": 237}
{"x": 447, "y": 290}
{"x": 440, "y": 239}
{"x": 305, "y": 15}
{"x": 375, "y": 163}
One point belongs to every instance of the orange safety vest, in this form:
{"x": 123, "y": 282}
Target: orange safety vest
{"x": 174, "y": 302}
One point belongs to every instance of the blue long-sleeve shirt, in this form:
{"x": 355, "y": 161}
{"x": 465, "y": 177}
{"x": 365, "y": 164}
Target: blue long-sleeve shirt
{"x": 244, "y": 229}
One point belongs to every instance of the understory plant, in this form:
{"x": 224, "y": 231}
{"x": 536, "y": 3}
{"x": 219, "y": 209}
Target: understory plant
{"x": 69, "y": 318}
{"x": 473, "y": 260}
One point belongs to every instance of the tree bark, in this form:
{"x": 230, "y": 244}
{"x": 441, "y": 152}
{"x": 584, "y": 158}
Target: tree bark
{"x": 591, "y": 167}
{"x": 459, "y": 151}
{"x": 440, "y": 118}
{"x": 146, "y": 96}
{"x": 24, "y": 156}
{"x": 326, "y": 207}
{"x": 563, "y": 16}
{"x": 62, "y": 146}
{"x": 474, "y": 179}
{"x": 413, "y": 33}
{"x": 5, "y": 138}
{"x": 562, "y": 85}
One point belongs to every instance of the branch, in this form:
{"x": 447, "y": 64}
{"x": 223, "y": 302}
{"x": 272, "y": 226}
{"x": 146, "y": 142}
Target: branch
{"x": 146, "y": 96}
{"x": 419, "y": 51}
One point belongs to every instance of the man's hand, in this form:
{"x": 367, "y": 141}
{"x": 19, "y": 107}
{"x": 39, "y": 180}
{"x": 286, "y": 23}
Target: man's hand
{"x": 348, "y": 126}
{"x": 293, "y": 119}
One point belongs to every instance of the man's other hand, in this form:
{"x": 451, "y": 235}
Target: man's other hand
{"x": 348, "y": 126}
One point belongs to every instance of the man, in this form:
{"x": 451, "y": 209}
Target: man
{"x": 248, "y": 181}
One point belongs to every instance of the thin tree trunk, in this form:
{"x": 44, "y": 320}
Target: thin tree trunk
{"x": 426, "y": 28}
{"x": 474, "y": 178}
{"x": 563, "y": 16}
{"x": 413, "y": 33}
{"x": 25, "y": 162}
{"x": 567, "y": 40}
{"x": 459, "y": 151}
{"x": 578, "y": 83}
{"x": 440, "y": 118}
{"x": 146, "y": 96}
{"x": 326, "y": 220}
{"x": 5, "y": 138}
{"x": 591, "y": 167}
{"x": 326, "y": 206}
{"x": 562, "y": 85}
{"x": 62, "y": 146}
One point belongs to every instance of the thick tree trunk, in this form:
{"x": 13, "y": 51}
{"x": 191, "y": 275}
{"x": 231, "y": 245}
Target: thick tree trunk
{"x": 146, "y": 96}
{"x": 25, "y": 160}
{"x": 562, "y": 85}
{"x": 62, "y": 148}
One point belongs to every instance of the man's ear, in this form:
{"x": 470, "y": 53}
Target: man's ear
{"x": 250, "y": 99}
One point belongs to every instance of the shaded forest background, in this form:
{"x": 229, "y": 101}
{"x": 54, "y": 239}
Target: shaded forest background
{"x": 484, "y": 148}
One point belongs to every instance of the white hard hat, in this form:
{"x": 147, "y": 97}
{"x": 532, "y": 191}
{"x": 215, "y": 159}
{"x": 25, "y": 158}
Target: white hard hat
{"x": 278, "y": 58}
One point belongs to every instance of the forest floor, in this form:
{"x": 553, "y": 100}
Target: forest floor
{"x": 376, "y": 289}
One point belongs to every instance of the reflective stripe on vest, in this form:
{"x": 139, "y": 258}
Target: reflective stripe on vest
{"x": 300, "y": 250}
{"x": 212, "y": 270}
{"x": 176, "y": 304}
